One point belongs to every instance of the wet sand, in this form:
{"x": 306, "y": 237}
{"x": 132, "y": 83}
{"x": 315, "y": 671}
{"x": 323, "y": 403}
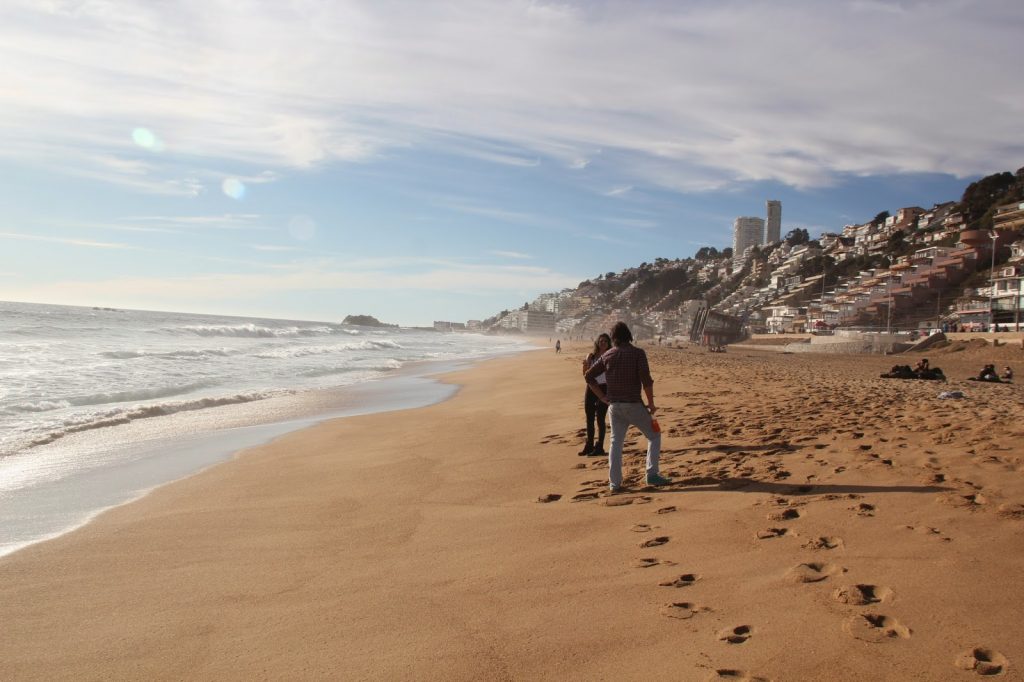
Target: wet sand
{"x": 826, "y": 524}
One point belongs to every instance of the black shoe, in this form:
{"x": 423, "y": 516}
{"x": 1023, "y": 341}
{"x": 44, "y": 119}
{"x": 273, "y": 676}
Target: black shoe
{"x": 597, "y": 452}
{"x": 587, "y": 450}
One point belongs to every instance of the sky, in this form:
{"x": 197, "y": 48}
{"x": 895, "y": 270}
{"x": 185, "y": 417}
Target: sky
{"x": 444, "y": 160}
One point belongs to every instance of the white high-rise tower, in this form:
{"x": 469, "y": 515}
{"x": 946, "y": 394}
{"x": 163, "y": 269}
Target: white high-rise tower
{"x": 746, "y": 232}
{"x": 773, "y": 228}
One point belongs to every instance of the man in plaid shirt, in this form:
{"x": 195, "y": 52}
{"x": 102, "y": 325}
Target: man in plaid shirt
{"x": 627, "y": 371}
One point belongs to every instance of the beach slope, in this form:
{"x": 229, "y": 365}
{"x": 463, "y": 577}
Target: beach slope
{"x": 827, "y": 524}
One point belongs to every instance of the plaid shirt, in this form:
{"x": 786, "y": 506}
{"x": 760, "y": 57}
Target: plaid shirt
{"x": 627, "y": 370}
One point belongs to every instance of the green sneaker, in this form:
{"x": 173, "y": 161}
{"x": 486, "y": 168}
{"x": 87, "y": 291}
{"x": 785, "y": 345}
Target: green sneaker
{"x": 655, "y": 479}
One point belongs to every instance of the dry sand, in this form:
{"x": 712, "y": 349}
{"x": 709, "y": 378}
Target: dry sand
{"x": 827, "y": 524}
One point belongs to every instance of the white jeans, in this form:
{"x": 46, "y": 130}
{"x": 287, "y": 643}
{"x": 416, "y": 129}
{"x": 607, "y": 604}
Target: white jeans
{"x": 622, "y": 416}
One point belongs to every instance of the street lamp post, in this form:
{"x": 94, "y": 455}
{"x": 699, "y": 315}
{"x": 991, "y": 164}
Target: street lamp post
{"x": 888, "y": 295}
{"x": 993, "y": 235}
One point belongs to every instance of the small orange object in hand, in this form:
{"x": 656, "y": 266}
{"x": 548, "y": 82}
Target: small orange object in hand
{"x": 655, "y": 425}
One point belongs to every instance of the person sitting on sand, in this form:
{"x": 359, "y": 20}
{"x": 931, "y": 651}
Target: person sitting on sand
{"x": 1007, "y": 374}
{"x": 987, "y": 373}
{"x": 628, "y": 372}
{"x": 595, "y": 408}
{"x": 899, "y": 372}
{"x": 921, "y": 367}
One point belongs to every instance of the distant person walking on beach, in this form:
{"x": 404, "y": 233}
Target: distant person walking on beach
{"x": 558, "y": 346}
{"x": 627, "y": 370}
{"x": 595, "y": 408}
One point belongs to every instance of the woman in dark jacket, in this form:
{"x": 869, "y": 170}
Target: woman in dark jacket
{"x": 595, "y": 408}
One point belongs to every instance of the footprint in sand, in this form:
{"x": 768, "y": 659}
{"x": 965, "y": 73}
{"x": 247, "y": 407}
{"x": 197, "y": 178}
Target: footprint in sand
{"x": 982, "y": 661}
{"x": 859, "y": 595}
{"x": 648, "y": 562}
{"x": 736, "y": 635}
{"x": 928, "y": 530}
{"x": 623, "y": 500}
{"x": 824, "y": 542}
{"x": 813, "y": 572}
{"x": 784, "y": 515}
{"x": 972, "y": 501}
{"x": 768, "y": 533}
{"x": 736, "y": 676}
{"x": 666, "y": 510}
{"x": 641, "y": 528}
{"x": 1012, "y": 510}
{"x": 655, "y": 542}
{"x": 864, "y": 509}
{"x": 685, "y": 580}
{"x": 583, "y": 497}
{"x": 550, "y": 497}
{"x": 876, "y": 628}
{"x": 683, "y": 610}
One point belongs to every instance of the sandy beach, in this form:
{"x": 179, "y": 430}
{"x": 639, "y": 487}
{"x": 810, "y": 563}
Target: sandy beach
{"x": 825, "y": 524}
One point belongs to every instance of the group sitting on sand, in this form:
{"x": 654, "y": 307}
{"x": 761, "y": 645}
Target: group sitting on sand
{"x": 988, "y": 373}
{"x": 922, "y": 370}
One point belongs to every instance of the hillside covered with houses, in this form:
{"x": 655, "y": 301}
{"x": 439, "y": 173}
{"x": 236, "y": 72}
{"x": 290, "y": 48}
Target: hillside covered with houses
{"x": 957, "y": 264}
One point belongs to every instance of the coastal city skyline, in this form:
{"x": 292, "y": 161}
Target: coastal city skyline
{"x": 447, "y": 161}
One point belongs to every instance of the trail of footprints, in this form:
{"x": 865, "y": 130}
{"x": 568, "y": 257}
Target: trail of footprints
{"x": 867, "y": 623}
{"x": 736, "y": 466}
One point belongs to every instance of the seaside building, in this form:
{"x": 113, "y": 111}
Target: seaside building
{"x": 746, "y": 232}
{"x": 1009, "y": 216}
{"x": 529, "y": 321}
{"x": 773, "y": 226}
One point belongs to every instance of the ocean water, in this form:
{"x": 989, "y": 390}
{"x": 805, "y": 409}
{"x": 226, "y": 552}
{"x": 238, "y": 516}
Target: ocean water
{"x": 99, "y": 405}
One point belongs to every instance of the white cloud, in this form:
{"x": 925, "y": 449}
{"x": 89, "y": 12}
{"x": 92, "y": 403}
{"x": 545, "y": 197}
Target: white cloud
{"x": 511, "y": 254}
{"x": 631, "y": 222}
{"x": 67, "y": 241}
{"x": 619, "y": 191}
{"x": 687, "y": 96}
{"x": 306, "y": 277}
{"x": 273, "y": 247}
{"x": 223, "y": 221}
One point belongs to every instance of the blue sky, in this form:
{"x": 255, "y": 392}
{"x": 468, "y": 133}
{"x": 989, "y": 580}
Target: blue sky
{"x": 444, "y": 160}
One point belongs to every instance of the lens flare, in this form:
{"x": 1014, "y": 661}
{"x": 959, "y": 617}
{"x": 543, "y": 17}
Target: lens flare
{"x": 233, "y": 187}
{"x": 147, "y": 139}
{"x": 302, "y": 227}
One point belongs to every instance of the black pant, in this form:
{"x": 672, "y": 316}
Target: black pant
{"x": 595, "y": 409}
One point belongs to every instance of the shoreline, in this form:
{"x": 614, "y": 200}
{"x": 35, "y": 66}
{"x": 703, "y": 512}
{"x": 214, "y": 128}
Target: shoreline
{"x": 413, "y": 545}
{"x": 41, "y": 510}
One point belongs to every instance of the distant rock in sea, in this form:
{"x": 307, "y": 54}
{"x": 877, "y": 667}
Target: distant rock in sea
{"x": 366, "y": 321}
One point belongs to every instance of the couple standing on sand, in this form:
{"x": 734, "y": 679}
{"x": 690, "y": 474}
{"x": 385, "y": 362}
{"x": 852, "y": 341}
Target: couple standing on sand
{"x": 625, "y": 368}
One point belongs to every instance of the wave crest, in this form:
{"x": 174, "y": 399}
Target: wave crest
{"x": 125, "y": 416}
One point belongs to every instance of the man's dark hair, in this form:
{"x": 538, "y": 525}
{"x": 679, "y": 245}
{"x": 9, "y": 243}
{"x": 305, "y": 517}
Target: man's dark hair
{"x": 621, "y": 334}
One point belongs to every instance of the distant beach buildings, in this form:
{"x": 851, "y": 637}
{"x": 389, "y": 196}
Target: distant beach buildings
{"x": 750, "y": 231}
{"x": 773, "y": 227}
{"x": 746, "y": 232}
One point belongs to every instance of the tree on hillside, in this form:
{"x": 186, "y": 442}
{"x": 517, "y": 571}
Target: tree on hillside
{"x": 980, "y": 198}
{"x": 706, "y": 253}
{"x": 897, "y": 245}
{"x": 727, "y": 252}
{"x": 797, "y": 237}
{"x": 880, "y": 218}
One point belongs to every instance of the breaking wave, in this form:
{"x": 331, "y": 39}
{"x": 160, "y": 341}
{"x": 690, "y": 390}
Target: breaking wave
{"x": 254, "y": 331}
{"x": 127, "y": 415}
